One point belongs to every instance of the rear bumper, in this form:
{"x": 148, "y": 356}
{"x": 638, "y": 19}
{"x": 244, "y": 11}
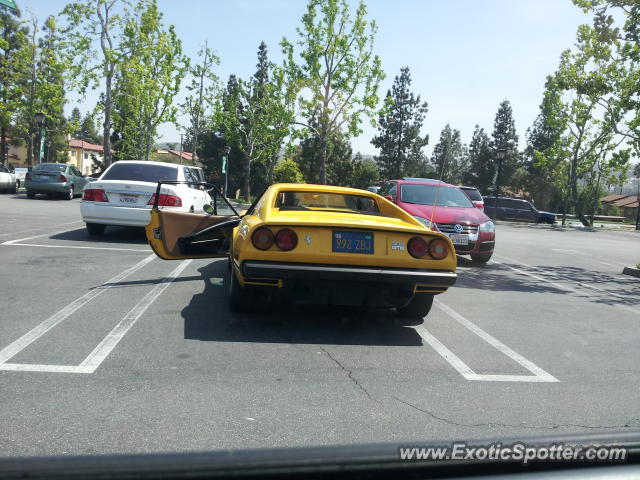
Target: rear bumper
{"x": 110, "y": 215}
{"x": 347, "y": 273}
{"x": 42, "y": 187}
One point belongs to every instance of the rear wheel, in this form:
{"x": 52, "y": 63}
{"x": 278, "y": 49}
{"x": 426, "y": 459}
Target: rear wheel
{"x": 417, "y": 308}
{"x": 481, "y": 257}
{"x": 240, "y": 299}
{"x": 95, "y": 229}
{"x": 71, "y": 194}
{"x": 16, "y": 186}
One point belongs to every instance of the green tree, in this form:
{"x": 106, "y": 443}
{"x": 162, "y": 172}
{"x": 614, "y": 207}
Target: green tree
{"x": 365, "y": 172}
{"x": 399, "y": 127}
{"x": 504, "y": 137}
{"x": 287, "y": 171}
{"x": 99, "y": 21}
{"x": 202, "y": 96}
{"x": 449, "y": 156}
{"x": 338, "y": 75}
{"x": 14, "y": 37}
{"x": 255, "y": 117}
{"x": 481, "y": 166}
{"x": 148, "y": 78}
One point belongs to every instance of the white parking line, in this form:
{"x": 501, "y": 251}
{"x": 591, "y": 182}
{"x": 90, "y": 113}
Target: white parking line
{"x": 77, "y": 246}
{"x": 575, "y": 253}
{"x": 539, "y": 375}
{"x": 564, "y": 287}
{"x": 34, "y": 334}
{"x": 108, "y": 343}
{"x": 20, "y": 240}
{"x": 36, "y": 229}
{"x": 97, "y": 356}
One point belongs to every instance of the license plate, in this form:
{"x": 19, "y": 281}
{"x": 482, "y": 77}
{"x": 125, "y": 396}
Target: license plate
{"x": 129, "y": 199}
{"x": 43, "y": 177}
{"x": 353, "y": 242}
{"x": 459, "y": 239}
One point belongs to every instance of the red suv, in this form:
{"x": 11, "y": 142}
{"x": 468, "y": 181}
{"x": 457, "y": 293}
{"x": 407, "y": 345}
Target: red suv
{"x": 450, "y": 210}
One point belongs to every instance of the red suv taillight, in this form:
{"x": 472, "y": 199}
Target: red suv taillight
{"x": 286, "y": 239}
{"x": 94, "y": 195}
{"x": 165, "y": 200}
{"x": 262, "y": 238}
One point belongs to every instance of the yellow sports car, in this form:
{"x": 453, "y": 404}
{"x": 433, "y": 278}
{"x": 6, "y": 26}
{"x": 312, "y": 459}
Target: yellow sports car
{"x": 313, "y": 244}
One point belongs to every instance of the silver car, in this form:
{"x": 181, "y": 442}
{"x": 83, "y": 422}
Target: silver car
{"x": 54, "y": 179}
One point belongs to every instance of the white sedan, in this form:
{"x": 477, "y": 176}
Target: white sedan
{"x": 8, "y": 181}
{"x": 125, "y": 193}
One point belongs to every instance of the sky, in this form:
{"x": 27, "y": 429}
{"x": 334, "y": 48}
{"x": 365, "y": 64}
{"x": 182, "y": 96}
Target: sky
{"x": 465, "y": 56}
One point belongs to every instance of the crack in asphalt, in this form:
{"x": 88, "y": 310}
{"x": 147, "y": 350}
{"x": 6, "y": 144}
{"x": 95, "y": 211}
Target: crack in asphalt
{"x": 516, "y": 425}
{"x": 349, "y": 372}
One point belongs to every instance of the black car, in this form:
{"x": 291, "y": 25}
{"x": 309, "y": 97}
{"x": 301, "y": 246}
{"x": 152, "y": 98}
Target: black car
{"x": 504, "y": 208}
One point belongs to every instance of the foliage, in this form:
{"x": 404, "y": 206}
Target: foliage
{"x": 309, "y": 159}
{"x": 504, "y": 137}
{"x": 90, "y": 21}
{"x": 399, "y": 127}
{"x": 338, "y": 75}
{"x": 148, "y": 77}
{"x": 287, "y": 171}
{"x": 481, "y": 170}
{"x": 449, "y": 156}
{"x": 365, "y": 172}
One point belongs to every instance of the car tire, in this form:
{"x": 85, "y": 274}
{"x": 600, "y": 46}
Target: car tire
{"x": 31, "y": 195}
{"x": 95, "y": 229}
{"x": 417, "y": 308}
{"x": 240, "y": 299}
{"x": 71, "y": 195}
{"x": 481, "y": 257}
{"x": 16, "y": 186}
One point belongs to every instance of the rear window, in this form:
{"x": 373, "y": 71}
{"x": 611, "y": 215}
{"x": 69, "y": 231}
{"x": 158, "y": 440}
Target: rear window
{"x": 50, "y": 167}
{"x": 140, "y": 172}
{"x": 473, "y": 194}
{"x": 291, "y": 200}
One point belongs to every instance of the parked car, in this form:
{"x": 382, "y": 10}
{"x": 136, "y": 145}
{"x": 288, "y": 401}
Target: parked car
{"x": 125, "y": 192}
{"x": 58, "y": 179}
{"x": 444, "y": 208}
{"x": 474, "y": 195}
{"x": 8, "y": 181}
{"x": 504, "y": 208}
{"x": 316, "y": 244}
{"x": 373, "y": 189}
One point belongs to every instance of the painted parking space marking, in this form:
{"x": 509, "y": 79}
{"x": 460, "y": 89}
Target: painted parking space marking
{"x": 32, "y": 237}
{"x": 91, "y": 363}
{"x": 33, "y": 230}
{"x": 539, "y": 375}
{"x": 561, "y": 286}
{"x": 38, "y": 331}
{"x": 77, "y": 246}
{"x": 575, "y": 253}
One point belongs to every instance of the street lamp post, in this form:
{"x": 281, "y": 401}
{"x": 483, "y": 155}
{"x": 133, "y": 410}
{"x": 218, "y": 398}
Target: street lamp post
{"x": 501, "y": 153}
{"x": 638, "y": 208}
{"x": 181, "y": 135}
{"x": 40, "y": 122}
{"x": 225, "y": 168}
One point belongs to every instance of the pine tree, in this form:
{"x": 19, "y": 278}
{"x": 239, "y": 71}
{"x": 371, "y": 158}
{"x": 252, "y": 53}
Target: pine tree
{"x": 504, "y": 137}
{"x": 399, "y": 127}
{"x": 481, "y": 166}
{"x": 449, "y": 156}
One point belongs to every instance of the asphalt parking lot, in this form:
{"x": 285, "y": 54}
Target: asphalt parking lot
{"x": 105, "y": 348}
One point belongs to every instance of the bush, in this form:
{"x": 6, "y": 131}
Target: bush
{"x": 287, "y": 171}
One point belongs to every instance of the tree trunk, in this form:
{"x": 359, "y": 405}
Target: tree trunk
{"x": 30, "y": 150}
{"x": 247, "y": 177}
{"x": 3, "y": 146}
{"x": 106, "y": 132}
{"x": 323, "y": 159}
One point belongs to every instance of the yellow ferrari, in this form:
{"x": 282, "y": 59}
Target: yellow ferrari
{"x": 313, "y": 244}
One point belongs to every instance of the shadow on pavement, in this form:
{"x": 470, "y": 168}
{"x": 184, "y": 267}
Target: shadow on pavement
{"x": 112, "y": 234}
{"x": 207, "y": 318}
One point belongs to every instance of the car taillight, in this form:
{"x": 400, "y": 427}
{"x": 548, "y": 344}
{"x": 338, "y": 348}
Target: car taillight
{"x": 438, "y": 249}
{"x": 262, "y": 238}
{"x": 165, "y": 200}
{"x": 286, "y": 239}
{"x": 94, "y": 195}
{"x": 27, "y": 176}
{"x": 63, "y": 179}
{"x": 417, "y": 247}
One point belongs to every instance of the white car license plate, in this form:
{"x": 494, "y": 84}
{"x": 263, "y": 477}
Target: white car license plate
{"x": 459, "y": 239}
{"x": 129, "y": 199}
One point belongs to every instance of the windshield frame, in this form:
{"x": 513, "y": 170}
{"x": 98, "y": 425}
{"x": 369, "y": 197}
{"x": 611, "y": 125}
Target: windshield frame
{"x": 424, "y": 185}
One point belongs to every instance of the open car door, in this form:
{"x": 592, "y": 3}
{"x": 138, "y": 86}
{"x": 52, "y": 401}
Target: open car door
{"x": 179, "y": 235}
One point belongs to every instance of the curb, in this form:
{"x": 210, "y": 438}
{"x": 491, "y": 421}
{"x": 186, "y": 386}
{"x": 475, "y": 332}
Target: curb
{"x": 634, "y": 272}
